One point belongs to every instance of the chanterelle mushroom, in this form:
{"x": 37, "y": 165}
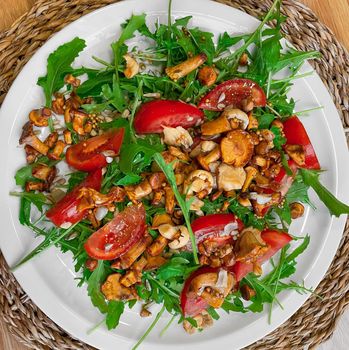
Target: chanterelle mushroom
{"x": 91, "y": 198}
{"x": 237, "y": 148}
{"x": 250, "y": 245}
{"x": 198, "y": 181}
{"x": 296, "y": 152}
{"x": 177, "y": 137}
{"x": 32, "y": 140}
{"x": 213, "y": 286}
{"x": 236, "y": 115}
{"x": 216, "y": 126}
{"x": 114, "y": 290}
{"x": 230, "y": 178}
{"x": 39, "y": 117}
{"x": 132, "y": 67}
{"x": 184, "y": 68}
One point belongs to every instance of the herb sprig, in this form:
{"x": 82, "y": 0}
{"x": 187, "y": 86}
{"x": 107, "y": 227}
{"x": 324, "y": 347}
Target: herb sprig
{"x": 185, "y": 205}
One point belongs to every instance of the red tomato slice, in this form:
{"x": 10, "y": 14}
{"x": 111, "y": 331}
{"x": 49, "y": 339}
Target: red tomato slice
{"x": 192, "y": 304}
{"x": 154, "y": 115}
{"x": 87, "y": 156}
{"x": 66, "y": 210}
{"x": 275, "y": 240}
{"x": 296, "y": 134}
{"x": 213, "y": 227}
{"x": 118, "y": 236}
{"x": 232, "y": 93}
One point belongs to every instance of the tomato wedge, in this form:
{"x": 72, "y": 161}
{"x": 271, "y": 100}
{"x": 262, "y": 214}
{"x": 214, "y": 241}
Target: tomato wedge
{"x": 118, "y": 236}
{"x": 192, "y": 304}
{"x": 233, "y": 93}
{"x": 296, "y": 134}
{"x": 87, "y": 155}
{"x": 154, "y": 115}
{"x": 216, "y": 226}
{"x": 66, "y": 210}
{"x": 275, "y": 240}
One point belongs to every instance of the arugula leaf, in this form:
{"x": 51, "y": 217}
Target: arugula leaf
{"x": 182, "y": 22}
{"x": 213, "y": 313}
{"x": 119, "y": 49}
{"x": 284, "y": 214}
{"x": 298, "y": 192}
{"x": 75, "y": 179}
{"x": 266, "y": 57}
{"x": 204, "y": 42}
{"x": 23, "y": 175}
{"x": 264, "y": 120}
{"x": 38, "y": 199}
{"x": 299, "y": 250}
{"x": 115, "y": 310}
{"x": 137, "y": 156}
{"x": 94, "y": 287}
{"x": 225, "y": 41}
{"x": 293, "y": 58}
{"x": 246, "y": 215}
{"x": 24, "y": 211}
{"x": 157, "y": 318}
{"x": 212, "y": 207}
{"x": 111, "y": 176}
{"x": 232, "y": 61}
{"x": 129, "y": 179}
{"x": 185, "y": 205}
{"x": 281, "y": 105}
{"x": 58, "y": 65}
{"x": 311, "y": 178}
{"x": 177, "y": 266}
{"x": 134, "y": 23}
{"x": 210, "y": 115}
{"x": 279, "y": 139}
{"x": 52, "y": 237}
{"x": 235, "y": 306}
{"x": 92, "y": 87}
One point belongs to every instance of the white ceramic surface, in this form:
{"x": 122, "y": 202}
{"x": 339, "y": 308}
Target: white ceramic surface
{"x": 49, "y": 279}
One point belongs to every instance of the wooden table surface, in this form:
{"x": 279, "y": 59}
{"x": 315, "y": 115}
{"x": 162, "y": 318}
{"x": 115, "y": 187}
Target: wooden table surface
{"x": 334, "y": 13}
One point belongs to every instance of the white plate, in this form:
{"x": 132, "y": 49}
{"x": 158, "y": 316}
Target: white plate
{"x": 49, "y": 279}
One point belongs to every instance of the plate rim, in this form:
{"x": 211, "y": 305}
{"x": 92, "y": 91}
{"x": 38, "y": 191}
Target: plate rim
{"x": 53, "y": 39}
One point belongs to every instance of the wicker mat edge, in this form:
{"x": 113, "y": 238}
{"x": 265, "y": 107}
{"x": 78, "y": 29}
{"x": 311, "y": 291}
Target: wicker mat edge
{"x": 315, "y": 321}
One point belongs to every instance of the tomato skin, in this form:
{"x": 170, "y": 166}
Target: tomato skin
{"x": 154, "y": 115}
{"x": 119, "y": 235}
{"x": 87, "y": 156}
{"x": 212, "y": 226}
{"x": 296, "y": 134}
{"x": 193, "y": 305}
{"x": 235, "y": 91}
{"x": 66, "y": 210}
{"x": 275, "y": 240}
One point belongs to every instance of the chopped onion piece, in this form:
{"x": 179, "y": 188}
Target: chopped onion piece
{"x": 261, "y": 199}
{"x": 101, "y": 212}
{"x": 222, "y": 280}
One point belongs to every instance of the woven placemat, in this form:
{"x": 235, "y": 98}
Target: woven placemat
{"x": 316, "y": 320}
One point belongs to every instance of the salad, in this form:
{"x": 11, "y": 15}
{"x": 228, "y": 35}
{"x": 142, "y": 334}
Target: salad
{"x": 172, "y": 173}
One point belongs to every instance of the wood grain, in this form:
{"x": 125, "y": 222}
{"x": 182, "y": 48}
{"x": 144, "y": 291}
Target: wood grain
{"x": 334, "y": 13}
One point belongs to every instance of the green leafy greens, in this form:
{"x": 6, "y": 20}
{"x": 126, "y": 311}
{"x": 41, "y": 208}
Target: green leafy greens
{"x": 311, "y": 178}
{"x": 58, "y": 65}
